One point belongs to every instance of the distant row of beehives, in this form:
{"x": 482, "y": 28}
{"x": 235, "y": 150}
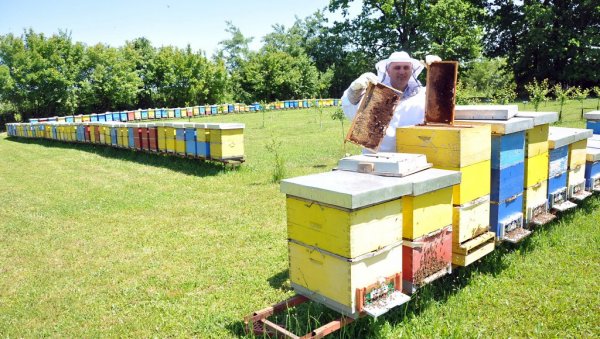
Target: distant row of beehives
{"x": 175, "y": 113}
{"x": 214, "y": 141}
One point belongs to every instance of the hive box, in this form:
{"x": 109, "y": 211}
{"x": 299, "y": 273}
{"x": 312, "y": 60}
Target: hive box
{"x": 593, "y": 121}
{"x": 179, "y": 137}
{"x": 576, "y": 141}
{"x": 226, "y": 140}
{"x": 345, "y": 233}
{"x": 344, "y": 284}
{"x": 446, "y": 146}
{"x": 161, "y": 141}
{"x": 558, "y": 161}
{"x": 487, "y": 112}
{"x": 535, "y": 206}
{"x": 576, "y": 184}
{"x": 592, "y": 170}
{"x": 426, "y": 258}
{"x": 507, "y": 219}
{"x": 190, "y": 139}
{"x": 536, "y": 169}
{"x": 169, "y": 137}
{"x": 537, "y": 137}
{"x": 470, "y": 220}
{"x": 202, "y": 141}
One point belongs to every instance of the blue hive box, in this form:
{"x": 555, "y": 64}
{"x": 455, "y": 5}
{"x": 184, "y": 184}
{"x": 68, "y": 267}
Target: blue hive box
{"x": 508, "y": 150}
{"x": 507, "y": 182}
{"x": 190, "y": 139}
{"x": 144, "y": 114}
{"x": 123, "y": 116}
{"x": 594, "y": 125}
{"x": 506, "y": 216}
{"x": 558, "y": 161}
{"x": 558, "y": 182}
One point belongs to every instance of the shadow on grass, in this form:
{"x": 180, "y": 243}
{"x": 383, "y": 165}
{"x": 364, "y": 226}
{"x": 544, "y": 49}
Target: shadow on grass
{"x": 196, "y": 167}
{"x": 311, "y": 315}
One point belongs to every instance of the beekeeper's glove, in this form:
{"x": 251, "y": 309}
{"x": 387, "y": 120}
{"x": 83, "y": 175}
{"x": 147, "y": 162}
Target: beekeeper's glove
{"x": 429, "y": 59}
{"x": 358, "y": 86}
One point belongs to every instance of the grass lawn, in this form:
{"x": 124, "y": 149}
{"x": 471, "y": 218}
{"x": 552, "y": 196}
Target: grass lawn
{"x": 96, "y": 241}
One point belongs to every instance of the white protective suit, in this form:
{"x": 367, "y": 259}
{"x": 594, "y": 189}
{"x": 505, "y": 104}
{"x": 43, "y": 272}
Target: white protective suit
{"x": 410, "y": 111}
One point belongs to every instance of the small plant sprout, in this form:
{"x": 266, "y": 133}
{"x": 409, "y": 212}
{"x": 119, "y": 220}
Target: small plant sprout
{"x": 538, "y": 92}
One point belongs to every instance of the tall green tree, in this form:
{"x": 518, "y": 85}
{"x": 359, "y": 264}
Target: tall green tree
{"x": 550, "y": 39}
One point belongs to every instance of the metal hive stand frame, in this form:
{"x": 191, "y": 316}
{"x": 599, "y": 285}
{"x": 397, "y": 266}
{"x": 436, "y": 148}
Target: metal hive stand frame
{"x": 258, "y": 324}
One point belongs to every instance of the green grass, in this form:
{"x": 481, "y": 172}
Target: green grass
{"x": 97, "y": 242}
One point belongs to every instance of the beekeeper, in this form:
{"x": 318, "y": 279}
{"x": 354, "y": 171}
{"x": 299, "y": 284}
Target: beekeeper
{"x": 399, "y": 71}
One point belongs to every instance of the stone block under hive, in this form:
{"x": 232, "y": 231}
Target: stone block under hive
{"x": 441, "y": 92}
{"x": 426, "y": 258}
{"x": 373, "y": 116}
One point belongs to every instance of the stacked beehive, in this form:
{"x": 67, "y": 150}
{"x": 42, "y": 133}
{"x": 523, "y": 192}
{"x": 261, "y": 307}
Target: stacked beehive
{"x": 508, "y": 166}
{"x": 592, "y": 167}
{"x": 426, "y": 213}
{"x": 535, "y": 207}
{"x": 345, "y": 233}
{"x": 345, "y": 237}
{"x": 465, "y": 149}
{"x": 226, "y": 140}
{"x": 576, "y": 140}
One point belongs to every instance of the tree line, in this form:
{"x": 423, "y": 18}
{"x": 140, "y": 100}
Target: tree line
{"x": 502, "y": 46}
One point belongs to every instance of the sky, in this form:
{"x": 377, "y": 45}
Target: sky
{"x": 201, "y": 23}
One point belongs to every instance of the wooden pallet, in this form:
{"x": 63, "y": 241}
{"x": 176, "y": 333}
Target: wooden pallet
{"x": 474, "y": 249}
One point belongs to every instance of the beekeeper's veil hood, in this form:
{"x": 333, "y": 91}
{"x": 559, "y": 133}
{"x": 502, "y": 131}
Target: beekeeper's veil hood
{"x": 382, "y": 65}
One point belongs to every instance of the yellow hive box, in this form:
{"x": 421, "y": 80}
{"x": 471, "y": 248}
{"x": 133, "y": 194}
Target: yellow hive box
{"x": 333, "y": 280}
{"x": 226, "y": 140}
{"x": 577, "y": 153}
{"x": 536, "y": 169}
{"x": 151, "y": 113}
{"x": 345, "y": 232}
{"x": 470, "y": 220}
{"x": 423, "y": 214}
{"x": 446, "y": 146}
{"x": 535, "y": 200}
{"x": 475, "y": 182}
{"x": 202, "y": 133}
{"x": 85, "y": 118}
{"x": 107, "y": 136}
{"x": 196, "y": 110}
{"x": 160, "y": 136}
{"x": 169, "y": 138}
{"x": 474, "y": 249}
{"x": 179, "y": 142}
{"x": 576, "y": 176}
{"x": 171, "y": 113}
{"x": 137, "y": 115}
{"x": 93, "y": 133}
{"x": 124, "y": 136}
{"x": 536, "y": 140}
{"x": 102, "y": 135}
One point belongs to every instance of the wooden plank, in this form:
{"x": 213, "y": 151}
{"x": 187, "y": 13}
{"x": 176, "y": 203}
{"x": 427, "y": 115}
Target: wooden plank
{"x": 467, "y": 259}
{"x": 470, "y": 245}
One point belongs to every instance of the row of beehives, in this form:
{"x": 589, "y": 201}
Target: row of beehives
{"x": 217, "y": 141}
{"x": 360, "y": 243}
{"x": 175, "y": 113}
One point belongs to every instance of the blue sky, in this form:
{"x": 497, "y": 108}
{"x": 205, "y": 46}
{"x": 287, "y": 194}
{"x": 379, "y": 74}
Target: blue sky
{"x": 164, "y": 22}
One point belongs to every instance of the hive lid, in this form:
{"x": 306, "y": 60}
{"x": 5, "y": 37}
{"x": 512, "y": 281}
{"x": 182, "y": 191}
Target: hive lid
{"x": 226, "y": 125}
{"x": 373, "y": 116}
{"x": 594, "y": 141}
{"x": 592, "y": 154}
{"x": 512, "y": 125}
{"x": 440, "y": 96}
{"x": 539, "y": 118}
{"x": 387, "y": 164}
{"x": 433, "y": 179}
{"x": 593, "y": 115}
{"x": 485, "y": 112}
{"x": 347, "y": 189}
{"x": 561, "y": 136}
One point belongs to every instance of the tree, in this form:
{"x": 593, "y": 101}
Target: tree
{"x": 552, "y": 39}
{"x": 580, "y": 95}
{"x": 538, "y": 92}
{"x": 561, "y": 95}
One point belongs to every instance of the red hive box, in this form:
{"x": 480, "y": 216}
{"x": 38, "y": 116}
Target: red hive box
{"x": 426, "y": 258}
